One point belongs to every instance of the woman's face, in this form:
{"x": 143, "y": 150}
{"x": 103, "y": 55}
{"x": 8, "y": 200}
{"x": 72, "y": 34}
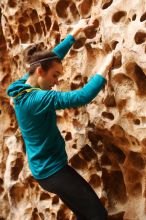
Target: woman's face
{"x": 47, "y": 80}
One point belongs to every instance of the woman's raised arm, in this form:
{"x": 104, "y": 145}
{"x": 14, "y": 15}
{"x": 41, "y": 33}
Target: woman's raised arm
{"x": 64, "y": 46}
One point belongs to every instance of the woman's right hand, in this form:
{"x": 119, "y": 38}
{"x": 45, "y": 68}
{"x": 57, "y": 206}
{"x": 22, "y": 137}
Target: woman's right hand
{"x": 106, "y": 65}
{"x": 81, "y": 26}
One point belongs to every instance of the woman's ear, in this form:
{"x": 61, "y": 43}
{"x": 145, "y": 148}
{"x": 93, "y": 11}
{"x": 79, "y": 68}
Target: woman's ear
{"x": 39, "y": 71}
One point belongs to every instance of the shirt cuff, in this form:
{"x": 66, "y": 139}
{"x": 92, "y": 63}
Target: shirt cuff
{"x": 102, "y": 76}
{"x": 71, "y": 38}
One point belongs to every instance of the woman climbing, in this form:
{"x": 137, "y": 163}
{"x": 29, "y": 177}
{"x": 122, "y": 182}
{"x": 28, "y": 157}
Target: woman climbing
{"x": 35, "y": 105}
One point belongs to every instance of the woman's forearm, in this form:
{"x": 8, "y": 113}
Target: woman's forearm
{"x": 106, "y": 65}
{"x": 64, "y": 46}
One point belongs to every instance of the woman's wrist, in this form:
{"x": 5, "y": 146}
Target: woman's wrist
{"x": 103, "y": 71}
{"x": 75, "y": 32}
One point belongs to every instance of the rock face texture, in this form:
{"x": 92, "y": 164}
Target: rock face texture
{"x": 105, "y": 140}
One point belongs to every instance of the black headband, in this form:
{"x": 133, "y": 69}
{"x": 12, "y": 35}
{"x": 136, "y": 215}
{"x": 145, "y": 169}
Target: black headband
{"x": 49, "y": 58}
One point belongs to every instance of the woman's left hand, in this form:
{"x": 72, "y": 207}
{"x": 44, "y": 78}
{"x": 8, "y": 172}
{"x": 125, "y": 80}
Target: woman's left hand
{"x": 83, "y": 24}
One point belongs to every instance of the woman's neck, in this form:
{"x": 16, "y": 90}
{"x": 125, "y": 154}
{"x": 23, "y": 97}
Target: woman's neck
{"x": 32, "y": 81}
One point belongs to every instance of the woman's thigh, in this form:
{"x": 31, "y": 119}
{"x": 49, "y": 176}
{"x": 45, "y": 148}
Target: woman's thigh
{"x": 76, "y": 192}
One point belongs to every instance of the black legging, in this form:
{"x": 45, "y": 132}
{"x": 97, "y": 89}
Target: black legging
{"x": 76, "y": 193}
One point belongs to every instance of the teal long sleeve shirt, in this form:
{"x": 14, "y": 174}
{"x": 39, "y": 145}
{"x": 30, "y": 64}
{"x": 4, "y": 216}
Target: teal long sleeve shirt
{"x": 36, "y": 116}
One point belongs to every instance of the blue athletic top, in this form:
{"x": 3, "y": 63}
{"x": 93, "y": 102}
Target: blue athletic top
{"x": 36, "y": 117}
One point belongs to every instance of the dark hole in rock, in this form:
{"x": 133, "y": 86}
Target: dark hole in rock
{"x": 68, "y": 136}
{"x": 57, "y": 39}
{"x": 78, "y": 77}
{"x": 114, "y": 44}
{"x": 79, "y": 43}
{"x": 87, "y": 153}
{"x": 16, "y": 169}
{"x": 47, "y": 9}
{"x": 90, "y": 32}
{"x": 74, "y": 11}
{"x": 136, "y": 160}
{"x": 116, "y": 152}
{"x": 136, "y": 121}
{"x": 77, "y": 162}
{"x": 105, "y": 161}
{"x": 61, "y": 7}
{"x": 1, "y": 189}
{"x": 2, "y": 218}
{"x": 107, "y": 4}
{"x": 118, "y": 16}
{"x": 17, "y": 192}
{"x": 143, "y": 17}
{"x": 23, "y": 148}
{"x": 48, "y": 24}
{"x": 107, "y": 47}
{"x": 95, "y": 180}
{"x": 24, "y": 19}
{"x": 93, "y": 137}
{"x": 97, "y": 166}
{"x": 41, "y": 215}
{"x": 43, "y": 29}
{"x": 74, "y": 146}
{"x": 85, "y": 78}
{"x": 1, "y": 181}
{"x": 44, "y": 196}
{"x": 96, "y": 23}
{"x": 60, "y": 215}
{"x": 76, "y": 111}
{"x": 134, "y": 17}
{"x": 108, "y": 115}
{"x": 55, "y": 200}
{"x": 140, "y": 37}
{"x": 35, "y": 214}
{"x": 38, "y": 28}
{"x": 24, "y": 36}
{"x": 85, "y": 7}
{"x": 117, "y": 60}
{"x": 74, "y": 85}
{"x": 32, "y": 32}
{"x": 109, "y": 101}
{"x": 116, "y": 193}
{"x": 138, "y": 76}
{"x": 16, "y": 40}
{"x": 34, "y": 16}
{"x": 121, "y": 104}
{"x": 12, "y": 3}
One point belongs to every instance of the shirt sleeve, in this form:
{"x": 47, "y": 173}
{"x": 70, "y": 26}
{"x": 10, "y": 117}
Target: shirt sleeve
{"x": 24, "y": 77}
{"x": 63, "y": 47}
{"x": 56, "y": 100}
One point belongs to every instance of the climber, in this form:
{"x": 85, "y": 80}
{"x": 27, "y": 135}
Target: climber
{"x": 35, "y": 104}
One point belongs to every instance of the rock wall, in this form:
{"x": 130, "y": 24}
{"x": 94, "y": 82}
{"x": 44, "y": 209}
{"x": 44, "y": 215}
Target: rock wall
{"x": 105, "y": 140}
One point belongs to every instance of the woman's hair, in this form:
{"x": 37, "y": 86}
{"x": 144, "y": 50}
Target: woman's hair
{"x": 34, "y": 53}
